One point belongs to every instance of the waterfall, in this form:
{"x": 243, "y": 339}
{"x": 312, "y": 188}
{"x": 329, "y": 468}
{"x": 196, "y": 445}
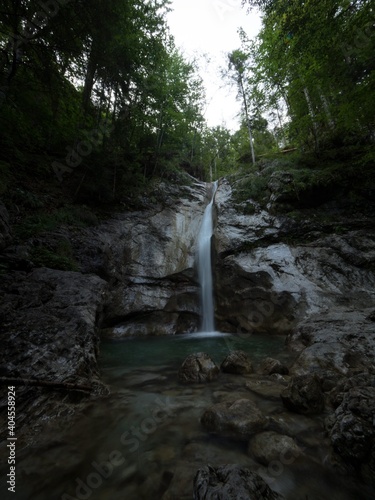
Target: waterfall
{"x": 205, "y": 267}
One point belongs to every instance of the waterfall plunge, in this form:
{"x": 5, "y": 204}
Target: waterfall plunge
{"x": 205, "y": 267}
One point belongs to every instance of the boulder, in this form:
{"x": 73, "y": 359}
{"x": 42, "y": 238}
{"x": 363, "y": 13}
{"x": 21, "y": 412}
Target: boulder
{"x": 237, "y": 362}
{"x": 352, "y": 430}
{"x": 51, "y": 316}
{"x": 198, "y": 367}
{"x": 231, "y": 482}
{"x": 267, "y": 447}
{"x": 235, "y": 419}
{"x": 270, "y": 366}
{"x": 304, "y": 395}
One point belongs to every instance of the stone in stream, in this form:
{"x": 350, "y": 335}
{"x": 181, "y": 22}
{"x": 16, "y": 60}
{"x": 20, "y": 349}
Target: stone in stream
{"x": 270, "y": 366}
{"x": 231, "y": 482}
{"x": 198, "y": 367}
{"x": 267, "y": 447}
{"x": 235, "y": 419}
{"x": 304, "y": 395}
{"x": 237, "y": 362}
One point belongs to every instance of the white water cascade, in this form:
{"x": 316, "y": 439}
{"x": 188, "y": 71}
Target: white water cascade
{"x": 205, "y": 267}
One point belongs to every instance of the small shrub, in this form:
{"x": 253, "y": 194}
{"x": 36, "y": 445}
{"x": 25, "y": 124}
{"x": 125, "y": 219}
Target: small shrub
{"x": 61, "y": 258}
{"x": 76, "y": 216}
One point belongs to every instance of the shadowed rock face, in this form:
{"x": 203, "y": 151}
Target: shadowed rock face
{"x": 304, "y": 395}
{"x": 351, "y": 426}
{"x": 231, "y": 482}
{"x": 5, "y": 235}
{"x": 266, "y": 285}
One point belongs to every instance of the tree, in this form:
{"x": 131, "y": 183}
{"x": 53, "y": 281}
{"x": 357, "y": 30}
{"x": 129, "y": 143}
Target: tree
{"x": 237, "y": 60}
{"x": 317, "y": 56}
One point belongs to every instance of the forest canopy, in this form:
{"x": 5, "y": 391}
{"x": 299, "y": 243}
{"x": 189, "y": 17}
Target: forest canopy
{"x": 97, "y": 95}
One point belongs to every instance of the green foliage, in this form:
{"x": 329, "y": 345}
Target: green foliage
{"x": 91, "y": 62}
{"x": 254, "y": 186}
{"x": 61, "y": 258}
{"x": 76, "y": 216}
{"x": 312, "y": 68}
{"x": 344, "y": 169}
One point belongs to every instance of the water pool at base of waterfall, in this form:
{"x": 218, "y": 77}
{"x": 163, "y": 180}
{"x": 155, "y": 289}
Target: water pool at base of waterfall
{"x": 145, "y": 441}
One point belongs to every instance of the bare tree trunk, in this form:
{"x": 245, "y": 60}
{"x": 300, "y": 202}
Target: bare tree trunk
{"x": 325, "y": 103}
{"x": 313, "y": 117}
{"x": 89, "y": 78}
{"x": 247, "y": 120}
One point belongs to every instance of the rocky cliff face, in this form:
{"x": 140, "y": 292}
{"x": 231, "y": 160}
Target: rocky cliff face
{"x": 148, "y": 259}
{"x": 309, "y": 277}
{"x": 278, "y": 275}
{"x": 135, "y": 276}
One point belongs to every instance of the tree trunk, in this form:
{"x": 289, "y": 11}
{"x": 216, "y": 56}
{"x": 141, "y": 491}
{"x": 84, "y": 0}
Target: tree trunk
{"x": 247, "y": 120}
{"x": 89, "y": 78}
{"x": 313, "y": 117}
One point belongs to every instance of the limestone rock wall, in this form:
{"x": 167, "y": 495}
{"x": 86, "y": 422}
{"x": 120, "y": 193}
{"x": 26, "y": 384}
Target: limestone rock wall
{"x": 265, "y": 284}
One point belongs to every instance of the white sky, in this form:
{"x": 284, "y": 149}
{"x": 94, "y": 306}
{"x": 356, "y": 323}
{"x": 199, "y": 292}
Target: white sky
{"x": 210, "y": 27}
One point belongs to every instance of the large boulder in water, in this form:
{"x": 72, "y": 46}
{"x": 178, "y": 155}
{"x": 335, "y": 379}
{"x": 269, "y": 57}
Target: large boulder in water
{"x": 237, "y": 362}
{"x": 235, "y": 419}
{"x": 231, "y": 482}
{"x": 198, "y": 367}
{"x": 267, "y": 447}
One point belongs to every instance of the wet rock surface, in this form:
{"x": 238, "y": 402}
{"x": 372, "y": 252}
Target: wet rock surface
{"x": 236, "y": 419}
{"x": 267, "y": 447}
{"x": 237, "y": 362}
{"x": 198, "y": 368}
{"x": 272, "y": 366}
{"x": 304, "y": 395}
{"x": 49, "y": 336}
{"x": 231, "y": 482}
{"x": 351, "y": 427}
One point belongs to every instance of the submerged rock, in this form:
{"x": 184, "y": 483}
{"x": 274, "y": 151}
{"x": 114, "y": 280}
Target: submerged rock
{"x": 198, "y": 367}
{"x": 267, "y": 447}
{"x": 236, "y": 419}
{"x": 231, "y": 482}
{"x": 237, "y": 362}
{"x": 304, "y": 395}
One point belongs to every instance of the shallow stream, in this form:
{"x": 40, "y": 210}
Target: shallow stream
{"x": 145, "y": 440}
